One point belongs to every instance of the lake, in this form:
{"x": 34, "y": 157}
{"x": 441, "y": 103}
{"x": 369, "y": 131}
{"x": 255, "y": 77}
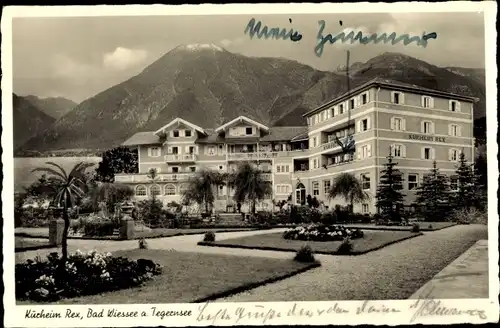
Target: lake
{"x": 23, "y": 166}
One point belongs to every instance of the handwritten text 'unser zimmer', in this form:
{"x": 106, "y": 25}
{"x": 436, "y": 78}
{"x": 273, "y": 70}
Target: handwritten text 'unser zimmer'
{"x": 258, "y": 30}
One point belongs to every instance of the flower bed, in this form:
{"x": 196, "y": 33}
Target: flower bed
{"x": 318, "y": 232}
{"x": 85, "y": 274}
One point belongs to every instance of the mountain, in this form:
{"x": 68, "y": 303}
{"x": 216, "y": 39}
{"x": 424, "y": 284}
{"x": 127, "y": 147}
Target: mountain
{"x": 52, "y": 106}
{"x": 207, "y": 85}
{"x": 29, "y": 120}
{"x": 478, "y": 74}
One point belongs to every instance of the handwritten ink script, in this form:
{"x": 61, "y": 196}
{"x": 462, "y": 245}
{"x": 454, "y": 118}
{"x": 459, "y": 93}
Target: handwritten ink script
{"x": 430, "y": 308}
{"x": 110, "y": 313}
{"x": 261, "y": 31}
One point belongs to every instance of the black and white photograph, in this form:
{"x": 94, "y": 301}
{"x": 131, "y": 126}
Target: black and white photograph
{"x": 219, "y": 160}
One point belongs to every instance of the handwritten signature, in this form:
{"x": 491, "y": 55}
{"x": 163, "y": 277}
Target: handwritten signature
{"x": 427, "y": 306}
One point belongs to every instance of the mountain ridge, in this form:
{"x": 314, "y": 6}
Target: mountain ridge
{"x": 209, "y": 86}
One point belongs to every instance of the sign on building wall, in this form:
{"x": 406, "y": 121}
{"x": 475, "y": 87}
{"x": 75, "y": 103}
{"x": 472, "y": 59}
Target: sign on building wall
{"x": 426, "y": 138}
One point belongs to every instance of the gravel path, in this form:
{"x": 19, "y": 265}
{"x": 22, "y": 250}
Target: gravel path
{"x": 394, "y": 272}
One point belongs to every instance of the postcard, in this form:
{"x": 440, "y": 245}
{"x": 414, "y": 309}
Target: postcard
{"x": 250, "y": 164}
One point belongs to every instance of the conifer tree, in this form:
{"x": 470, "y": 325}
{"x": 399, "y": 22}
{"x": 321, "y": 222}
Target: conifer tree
{"x": 465, "y": 195}
{"x": 389, "y": 192}
{"x": 433, "y": 195}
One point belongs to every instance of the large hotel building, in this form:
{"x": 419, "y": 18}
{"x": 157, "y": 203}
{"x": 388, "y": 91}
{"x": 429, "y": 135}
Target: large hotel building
{"x": 417, "y": 125}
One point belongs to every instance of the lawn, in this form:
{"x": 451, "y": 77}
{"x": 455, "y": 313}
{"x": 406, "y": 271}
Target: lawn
{"x": 424, "y": 226}
{"x": 24, "y": 244}
{"x": 372, "y": 240}
{"x": 193, "y": 277}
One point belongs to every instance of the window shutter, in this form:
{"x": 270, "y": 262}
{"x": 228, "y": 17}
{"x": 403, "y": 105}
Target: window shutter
{"x": 422, "y": 153}
{"x": 458, "y": 106}
{"x": 359, "y": 153}
{"x": 367, "y": 97}
{"x": 431, "y": 102}
{"x": 169, "y": 150}
{"x": 450, "y": 128}
{"x": 186, "y": 150}
{"x": 392, "y": 123}
{"x": 403, "y": 151}
{"x": 359, "y": 126}
{"x": 459, "y": 130}
{"x": 181, "y": 133}
{"x": 433, "y": 153}
{"x": 196, "y": 150}
{"x": 449, "y": 154}
{"x": 402, "y": 98}
{"x": 432, "y": 128}
{"x": 422, "y": 101}
{"x": 368, "y": 123}
{"x": 403, "y": 124}
{"x": 422, "y": 124}
{"x": 149, "y": 151}
{"x": 369, "y": 151}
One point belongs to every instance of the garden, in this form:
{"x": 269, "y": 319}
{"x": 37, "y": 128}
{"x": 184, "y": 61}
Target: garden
{"x": 322, "y": 239}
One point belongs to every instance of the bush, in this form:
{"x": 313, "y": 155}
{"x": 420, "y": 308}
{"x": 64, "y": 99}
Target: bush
{"x": 305, "y": 254}
{"x": 209, "y": 236}
{"x": 345, "y": 247}
{"x": 143, "y": 244}
{"x": 85, "y": 274}
{"x": 99, "y": 228}
{"x": 319, "y": 232}
{"x": 151, "y": 212}
{"x": 328, "y": 218}
{"x": 468, "y": 216}
{"x": 415, "y": 228}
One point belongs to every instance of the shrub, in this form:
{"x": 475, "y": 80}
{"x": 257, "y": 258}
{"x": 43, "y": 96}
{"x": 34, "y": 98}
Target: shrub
{"x": 209, "y": 236}
{"x": 143, "y": 244}
{"x": 86, "y": 274}
{"x": 305, "y": 254}
{"x": 415, "y": 228}
{"x": 468, "y": 216}
{"x": 345, "y": 247}
{"x": 99, "y": 228}
{"x": 319, "y": 232}
{"x": 328, "y": 218}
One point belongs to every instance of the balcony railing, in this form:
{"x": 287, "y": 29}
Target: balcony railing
{"x": 264, "y": 155}
{"x": 181, "y": 158}
{"x": 162, "y": 177}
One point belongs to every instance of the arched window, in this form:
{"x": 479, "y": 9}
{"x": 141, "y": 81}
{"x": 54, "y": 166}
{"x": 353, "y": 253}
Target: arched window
{"x": 300, "y": 193}
{"x": 140, "y": 190}
{"x": 155, "y": 190}
{"x": 170, "y": 189}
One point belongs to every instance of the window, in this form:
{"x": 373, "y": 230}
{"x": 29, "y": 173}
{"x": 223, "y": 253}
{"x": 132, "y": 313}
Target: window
{"x": 140, "y": 191}
{"x": 365, "y": 181}
{"x": 328, "y": 113}
{"x": 364, "y": 152}
{"x": 453, "y": 183}
{"x": 412, "y": 181}
{"x": 397, "y": 150}
{"x": 282, "y": 169}
{"x": 192, "y": 169}
{"x": 175, "y": 150}
{"x": 249, "y": 131}
{"x": 364, "y": 98}
{"x": 341, "y": 109}
{"x": 175, "y": 169}
{"x": 187, "y": 133}
{"x": 427, "y": 127}
{"x": 283, "y": 189}
{"x": 170, "y": 189}
{"x": 315, "y": 187}
{"x": 154, "y": 190}
{"x": 175, "y": 133}
{"x": 364, "y": 124}
{"x": 454, "y": 155}
{"x": 397, "y": 98}
{"x": 154, "y": 152}
{"x": 427, "y": 153}
{"x": 352, "y": 104}
{"x": 454, "y": 130}
{"x": 364, "y": 208}
{"x": 454, "y": 106}
{"x": 221, "y": 190}
{"x": 326, "y": 186}
{"x": 426, "y": 102}
{"x": 397, "y": 124}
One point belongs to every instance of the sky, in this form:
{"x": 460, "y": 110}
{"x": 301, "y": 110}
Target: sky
{"x": 78, "y": 57}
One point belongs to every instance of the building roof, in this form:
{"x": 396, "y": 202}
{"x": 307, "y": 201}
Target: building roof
{"x": 142, "y": 138}
{"x": 179, "y": 120}
{"x": 241, "y": 119}
{"x": 284, "y": 133}
{"x": 391, "y": 84}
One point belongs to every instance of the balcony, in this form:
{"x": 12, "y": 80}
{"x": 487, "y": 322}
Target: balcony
{"x": 265, "y": 155}
{"x": 143, "y": 177}
{"x": 181, "y": 158}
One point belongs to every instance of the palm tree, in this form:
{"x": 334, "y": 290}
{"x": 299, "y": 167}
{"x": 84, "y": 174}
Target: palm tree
{"x": 347, "y": 186}
{"x": 200, "y": 188}
{"x": 66, "y": 189}
{"x": 250, "y": 185}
